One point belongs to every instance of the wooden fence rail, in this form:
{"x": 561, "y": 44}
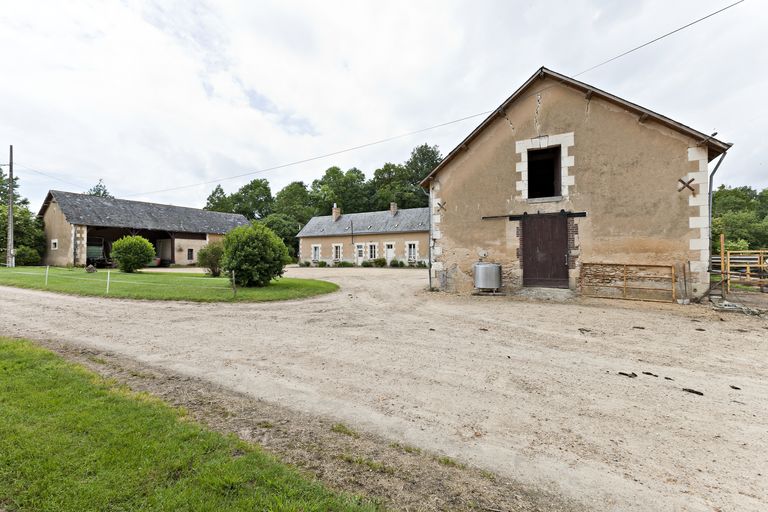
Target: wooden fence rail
{"x": 655, "y": 283}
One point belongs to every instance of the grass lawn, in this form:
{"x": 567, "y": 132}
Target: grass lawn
{"x": 70, "y": 440}
{"x": 158, "y": 286}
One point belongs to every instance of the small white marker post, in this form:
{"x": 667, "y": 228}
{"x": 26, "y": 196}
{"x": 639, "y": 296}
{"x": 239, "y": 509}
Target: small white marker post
{"x": 234, "y": 286}
{"x": 108, "y": 273}
{"x": 47, "y": 268}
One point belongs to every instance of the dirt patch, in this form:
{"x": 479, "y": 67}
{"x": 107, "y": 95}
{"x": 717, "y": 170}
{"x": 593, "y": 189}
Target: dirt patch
{"x": 528, "y": 389}
{"x": 398, "y": 476}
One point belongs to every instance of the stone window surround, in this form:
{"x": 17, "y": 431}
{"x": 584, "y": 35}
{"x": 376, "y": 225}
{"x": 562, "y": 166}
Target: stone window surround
{"x": 565, "y": 141}
{"x": 319, "y": 252}
{"x": 415, "y": 243}
{"x": 372, "y": 254}
{"x": 340, "y": 252}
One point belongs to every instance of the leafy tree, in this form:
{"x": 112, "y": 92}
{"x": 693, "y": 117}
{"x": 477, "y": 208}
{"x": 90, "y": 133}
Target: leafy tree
{"x": 256, "y": 255}
{"x": 348, "y": 190}
{"x": 742, "y": 214}
{"x": 254, "y": 199}
{"x": 132, "y": 253}
{"x": 736, "y": 199}
{"x": 17, "y": 199}
{"x": 294, "y": 201}
{"x": 423, "y": 160}
{"x": 219, "y": 201}
{"x": 27, "y": 256}
{"x": 209, "y": 257}
{"x": 99, "y": 189}
{"x": 286, "y": 228}
{"x": 27, "y": 229}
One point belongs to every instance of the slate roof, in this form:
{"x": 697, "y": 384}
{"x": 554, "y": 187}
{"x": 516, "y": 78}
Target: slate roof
{"x": 84, "y": 209}
{"x": 368, "y": 223}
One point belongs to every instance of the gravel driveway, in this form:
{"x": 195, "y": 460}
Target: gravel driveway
{"x": 528, "y": 389}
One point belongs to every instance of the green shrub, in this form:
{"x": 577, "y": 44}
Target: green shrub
{"x": 322, "y": 263}
{"x": 366, "y": 263}
{"x": 305, "y": 264}
{"x": 132, "y": 253}
{"x": 255, "y": 253}
{"x": 401, "y": 264}
{"x": 345, "y": 264}
{"x": 209, "y": 257}
{"x": 27, "y": 256}
{"x": 380, "y": 262}
{"x": 421, "y": 264}
{"x": 394, "y": 263}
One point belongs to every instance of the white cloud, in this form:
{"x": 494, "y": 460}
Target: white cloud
{"x": 151, "y": 96}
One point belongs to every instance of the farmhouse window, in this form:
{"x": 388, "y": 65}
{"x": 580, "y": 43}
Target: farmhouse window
{"x": 337, "y": 252}
{"x": 360, "y": 251}
{"x": 544, "y": 172}
{"x": 372, "y": 251}
{"x": 413, "y": 253}
{"x": 54, "y": 244}
{"x": 190, "y": 254}
{"x": 315, "y": 252}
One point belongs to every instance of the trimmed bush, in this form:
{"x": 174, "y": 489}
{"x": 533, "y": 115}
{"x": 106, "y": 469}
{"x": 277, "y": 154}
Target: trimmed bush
{"x": 132, "y": 253}
{"x": 322, "y": 263}
{"x": 394, "y": 263}
{"x": 255, "y": 253}
{"x": 401, "y": 264}
{"x": 209, "y": 257}
{"x": 366, "y": 263}
{"x": 421, "y": 264}
{"x": 27, "y": 256}
{"x": 380, "y": 262}
{"x": 344, "y": 264}
{"x": 305, "y": 264}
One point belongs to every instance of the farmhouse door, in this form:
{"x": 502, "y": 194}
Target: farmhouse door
{"x": 545, "y": 250}
{"x": 389, "y": 252}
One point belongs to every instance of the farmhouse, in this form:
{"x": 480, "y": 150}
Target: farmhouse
{"x": 80, "y": 228}
{"x": 401, "y": 234}
{"x": 565, "y": 185}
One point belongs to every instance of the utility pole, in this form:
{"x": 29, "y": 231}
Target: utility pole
{"x": 10, "y": 256}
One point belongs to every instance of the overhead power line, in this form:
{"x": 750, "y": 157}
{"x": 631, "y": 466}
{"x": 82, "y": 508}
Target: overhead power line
{"x": 311, "y": 159}
{"x": 422, "y": 130}
{"x": 36, "y": 171}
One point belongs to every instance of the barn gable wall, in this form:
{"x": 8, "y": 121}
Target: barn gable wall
{"x": 622, "y": 172}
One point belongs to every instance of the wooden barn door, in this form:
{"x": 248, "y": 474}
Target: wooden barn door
{"x": 545, "y": 250}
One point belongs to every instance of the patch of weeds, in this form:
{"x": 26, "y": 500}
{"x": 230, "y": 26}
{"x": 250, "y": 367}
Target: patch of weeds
{"x": 406, "y": 448}
{"x": 97, "y": 360}
{"x": 451, "y": 463}
{"x": 488, "y": 475}
{"x": 264, "y": 424}
{"x": 340, "y": 428}
{"x": 369, "y": 463}
{"x": 140, "y": 375}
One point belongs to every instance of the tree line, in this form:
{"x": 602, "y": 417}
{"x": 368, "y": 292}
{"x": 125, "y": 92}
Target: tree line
{"x": 292, "y": 207}
{"x": 742, "y": 214}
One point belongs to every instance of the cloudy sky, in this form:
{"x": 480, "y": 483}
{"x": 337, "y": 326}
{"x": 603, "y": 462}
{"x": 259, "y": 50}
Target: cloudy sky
{"x": 155, "y": 95}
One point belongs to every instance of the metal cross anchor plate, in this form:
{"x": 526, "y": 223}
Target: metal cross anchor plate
{"x": 686, "y": 184}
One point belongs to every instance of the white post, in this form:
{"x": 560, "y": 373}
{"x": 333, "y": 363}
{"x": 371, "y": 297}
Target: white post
{"x": 47, "y": 268}
{"x": 234, "y": 286}
{"x": 108, "y": 273}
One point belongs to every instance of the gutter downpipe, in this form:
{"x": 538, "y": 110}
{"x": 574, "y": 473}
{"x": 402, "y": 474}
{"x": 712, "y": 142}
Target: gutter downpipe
{"x": 429, "y": 245}
{"x": 711, "y": 182}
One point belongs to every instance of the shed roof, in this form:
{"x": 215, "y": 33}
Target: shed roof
{"x": 88, "y": 210}
{"x": 404, "y": 221}
{"x": 715, "y": 147}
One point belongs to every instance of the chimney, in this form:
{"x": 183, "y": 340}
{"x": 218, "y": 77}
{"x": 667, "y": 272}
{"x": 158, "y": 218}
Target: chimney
{"x": 336, "y": 212}
{"x": 393, "y": 209}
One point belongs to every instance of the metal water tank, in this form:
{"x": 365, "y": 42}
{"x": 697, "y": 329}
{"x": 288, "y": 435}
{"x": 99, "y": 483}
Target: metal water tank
{"x": 487, "y": 276}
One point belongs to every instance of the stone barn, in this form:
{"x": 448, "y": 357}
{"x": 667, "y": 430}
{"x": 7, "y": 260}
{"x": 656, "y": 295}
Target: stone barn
{"x": 568, "y": 186}
{"x": 80, "y": 228}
